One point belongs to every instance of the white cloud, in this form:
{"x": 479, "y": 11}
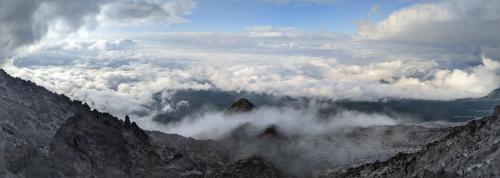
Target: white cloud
{"x": 450, "y": 22}
{"x": 23, "y": 22}
{"x": 216, "y": 125}
{"x": 26, "y": 22}
{"x": 121, "y": 76}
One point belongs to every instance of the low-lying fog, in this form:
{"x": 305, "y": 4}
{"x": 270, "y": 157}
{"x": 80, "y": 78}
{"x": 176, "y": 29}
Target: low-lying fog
{"x": 306, "y": 142}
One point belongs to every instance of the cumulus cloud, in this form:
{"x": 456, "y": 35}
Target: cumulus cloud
{"x": 450, "y": 22}
{"x": 25, "y": 22}
{"x": 121, "y": 76}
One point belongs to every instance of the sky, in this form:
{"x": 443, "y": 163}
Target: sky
{"x": 116, "y": 54}
{"x": 237, "y": 15}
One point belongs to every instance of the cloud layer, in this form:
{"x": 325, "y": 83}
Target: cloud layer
{"x": 455, "y": 22}
{"x": 217, "y": 125}
{"x": 121, "y": 76}
{"x": 120, "y": 73}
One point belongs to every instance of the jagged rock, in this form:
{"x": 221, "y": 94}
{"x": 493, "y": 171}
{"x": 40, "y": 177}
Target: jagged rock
{"x": 127, "y": 122}
{"x": 98, "y": 145}
{"x": 471, "y": 150}
{"x": 242, "y": 105}
{"x": 30, "y": 115}
{"x": 252, "y": 167}
{"x": 93, "y": 144}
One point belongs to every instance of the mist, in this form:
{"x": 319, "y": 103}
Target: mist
{"x": 304, "y": 140}
{"x": 291, "y": 121}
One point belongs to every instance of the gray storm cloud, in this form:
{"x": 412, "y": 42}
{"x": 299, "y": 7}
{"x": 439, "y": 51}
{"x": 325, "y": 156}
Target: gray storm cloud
{"x": 25, "y": 22}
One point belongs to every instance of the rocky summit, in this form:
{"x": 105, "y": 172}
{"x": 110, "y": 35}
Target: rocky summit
{"x": 242, "y": 105}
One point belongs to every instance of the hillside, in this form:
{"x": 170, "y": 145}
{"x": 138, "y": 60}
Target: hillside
{"x": 467, "y": 151}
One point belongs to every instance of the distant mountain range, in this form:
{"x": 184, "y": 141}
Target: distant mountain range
{"x": 191, "y": 102}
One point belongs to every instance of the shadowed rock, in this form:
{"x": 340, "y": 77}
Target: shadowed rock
{"x": 94, "y": 144}
{"x": 471, "y": 150}
{"x": 271, "y": 132}
{"x": 242, "y": 105}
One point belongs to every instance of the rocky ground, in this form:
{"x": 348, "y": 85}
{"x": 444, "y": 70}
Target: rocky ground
{"x": 467, "y": 151}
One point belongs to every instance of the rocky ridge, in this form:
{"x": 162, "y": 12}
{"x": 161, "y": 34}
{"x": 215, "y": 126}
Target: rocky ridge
{"x": 48, "y": 135}
{"x": 471, "y": 150}
{"x": 30, "y": 116}
{"x": 96, "y": 144}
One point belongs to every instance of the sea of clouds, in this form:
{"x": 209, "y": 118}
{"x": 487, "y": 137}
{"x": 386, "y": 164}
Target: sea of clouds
{"x": 59, "y": 46}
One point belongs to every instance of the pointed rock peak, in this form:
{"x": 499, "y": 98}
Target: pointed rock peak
{"x": 127, "y": 121}
{"x": 242, "y": 105}
{"x": 271, "y": 132}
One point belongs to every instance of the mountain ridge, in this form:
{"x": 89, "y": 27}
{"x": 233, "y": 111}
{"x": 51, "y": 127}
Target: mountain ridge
{"x": 470, "y": 150}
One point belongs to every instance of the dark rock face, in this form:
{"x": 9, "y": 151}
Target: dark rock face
{"x": 271, "y": 131}
{"x": 251, "y": 167}
{"x": 45, "y": 135}
{"x": 471, "y": 150}
{"x": 30, "y": 116}
{"x": 97, "y": 145}
{"x": 94, "y": 144}
{"x": 242, "y": 105}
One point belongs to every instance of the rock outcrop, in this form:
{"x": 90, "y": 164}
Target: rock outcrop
{"x": 46, "y": 135}
{"x": 30, "y": 116}
{"x": 94, "y": 144}
{"x": 242, "y": 105}
{"x": 471, "y": 150}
